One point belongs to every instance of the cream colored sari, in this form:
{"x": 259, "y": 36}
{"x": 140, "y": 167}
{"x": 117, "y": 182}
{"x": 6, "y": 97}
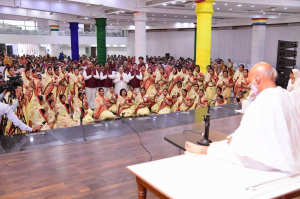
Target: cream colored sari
{"x": 101, "y": 111}
{"x": 142, "y": 110}
{"x": 124, "y": 109}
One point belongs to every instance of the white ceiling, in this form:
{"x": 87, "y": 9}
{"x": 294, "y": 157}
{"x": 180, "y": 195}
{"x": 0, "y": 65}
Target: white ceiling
{"x": 160, "y": 13}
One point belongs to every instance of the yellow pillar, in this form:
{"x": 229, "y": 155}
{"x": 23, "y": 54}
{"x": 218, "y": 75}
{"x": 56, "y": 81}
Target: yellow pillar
{"x": 204, "y": 11}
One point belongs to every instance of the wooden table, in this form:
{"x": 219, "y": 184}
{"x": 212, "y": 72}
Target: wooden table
{"x": 191, "y": 177}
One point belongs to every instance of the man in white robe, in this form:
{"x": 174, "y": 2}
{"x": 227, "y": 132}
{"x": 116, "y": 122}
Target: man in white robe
{"x": 268, "y": 137}
{"x": 121, "y": 81}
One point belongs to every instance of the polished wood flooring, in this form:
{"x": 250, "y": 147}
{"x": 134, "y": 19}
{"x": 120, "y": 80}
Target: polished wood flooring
{"x": 91, "y": 169}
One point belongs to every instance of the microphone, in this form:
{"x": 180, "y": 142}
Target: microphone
{"x": 206, "y": 118}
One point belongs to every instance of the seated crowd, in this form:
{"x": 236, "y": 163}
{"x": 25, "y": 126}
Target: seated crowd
{"x": 54, "y": 88}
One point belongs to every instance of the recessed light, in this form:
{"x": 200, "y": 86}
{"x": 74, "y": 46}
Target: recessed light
{"x": 226, "y": 4}
{"x": 279, "y": 13}
{"x": 184, "y": 16}
{"x": 230, "y": 8}
{"x": 193, "y": 6}
{"x": 86, "y": 18}
{"x": 152, "y": 14}
{"x": 175, "y": 15}
{"x": 117, "y": 13}
{"x": 183, "y": 1}
{"x": 218, "y": 8}
{"x": 213, "y": 19}
{"x": 214, "y": 3}
{"x": 164, "y": 22}
{"x": 111, "y": 24}
{"x": 239, "y": 5}
{"x": 64, "y": 22}
{"x": 164, "y": 15}
{"x": 128, "y": 20}
{"x": 174, "y": 2}
{"x": 108, "y": 19}
{"x": 285, "y": 8}
{"x": 252, "y": 6}
{"x": 122, "y": 11}
{"x": 264, "y": 13}
{"x": 59, "y": 1}
{"x": 273, "y": 9}
{"x": 164, "y": 4}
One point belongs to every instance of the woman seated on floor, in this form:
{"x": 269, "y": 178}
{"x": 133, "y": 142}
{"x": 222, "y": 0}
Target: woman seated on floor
{"x": 183, "y": 103}
{"x": 112, "y": 97}
{"x": 78, "y": 113}
{"x": 218, "y": 92}
{"x": 220, "y": 101}
{"x": 164, "y": 103}
{"x": 201, "y": 101}
{"x": 142, "y": 103}
{"x": 39, "y": 117}
{"x": 51, "y": 114}
{"x": 63, "y": 118}
{"x": 124, "y": 103}
{"x": 102, "y": 106}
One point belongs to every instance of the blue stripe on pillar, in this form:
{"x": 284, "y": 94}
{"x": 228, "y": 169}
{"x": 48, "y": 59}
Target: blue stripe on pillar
{"x": 74, "y": 40}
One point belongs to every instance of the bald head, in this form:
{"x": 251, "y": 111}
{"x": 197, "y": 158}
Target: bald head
{"x": 262, "y": 75}
{"x": 262, "y": 70}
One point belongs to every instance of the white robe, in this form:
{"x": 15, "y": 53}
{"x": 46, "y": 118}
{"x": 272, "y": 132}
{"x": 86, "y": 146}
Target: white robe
{"x": 119, "y": 84}
{"x": 268, "y": 137}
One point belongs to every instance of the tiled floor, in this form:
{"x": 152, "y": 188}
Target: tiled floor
{"x": 106, "y": 129}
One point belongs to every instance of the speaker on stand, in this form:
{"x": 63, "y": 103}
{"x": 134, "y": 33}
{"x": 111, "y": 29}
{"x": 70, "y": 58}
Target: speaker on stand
{"x": 286, "y": 61}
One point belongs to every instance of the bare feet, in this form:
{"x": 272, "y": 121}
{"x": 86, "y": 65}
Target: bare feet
{"x": 194, "y": 148}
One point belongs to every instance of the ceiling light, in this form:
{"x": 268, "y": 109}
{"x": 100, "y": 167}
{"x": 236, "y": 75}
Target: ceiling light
{"x": 86, "y": 18}
{"x": 108, "y": 19}
{"x": 64, "y": 22}
{"x": 174, "y": 2}
{"x": 128, "y": 20}
{"x": 164, "y": 4}
{"x": 226, "y": 4}
{"x": 111, "y": 24}
{"x": 239, "y": 5}
{"x": 273, "y": 9}
{"x": 252, "y": 6}
{"x": 117, "y": 13}
{"x": 264, "y": 13}
{"x": 194, "y": 4}
{"x": 175, "y": 15}
{"x": 279, "y": 13}
{"x": 230, "y": 8}
{"x": 218, "y": 8}
{"x": 184, "y": 16}
{"x": 214, "y": 3}
{"x": 164, "y": 22}
{"x": 152, "y": 14}
{"x": 165, "y": 15}
{"x": 183, "y": 1}
{"x": 59, "y": 1}
{"x": 122, "y": 11}
{"x": 213, "y": 19}
{"x": 285, "y": 8}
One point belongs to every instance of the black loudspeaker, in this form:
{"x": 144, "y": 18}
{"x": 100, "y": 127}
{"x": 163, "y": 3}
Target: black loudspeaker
{"x": 286, "y": 61}
{"x": 167, "y": 54}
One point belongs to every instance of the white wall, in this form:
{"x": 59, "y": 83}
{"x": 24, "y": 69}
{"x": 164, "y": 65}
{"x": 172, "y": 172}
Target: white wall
{"x": 226, "y": 43}
{"x": 67, "y": 50}
{"x": 116, "y": 51}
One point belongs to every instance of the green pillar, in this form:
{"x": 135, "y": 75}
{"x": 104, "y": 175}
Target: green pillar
{"x": 195, "y": 38}
{"x": 101, "y": 40}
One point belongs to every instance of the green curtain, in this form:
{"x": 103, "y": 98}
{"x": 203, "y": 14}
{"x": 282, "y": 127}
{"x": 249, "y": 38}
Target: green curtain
{"x": 101, "y": 40}
{"x": 195, "y": 38}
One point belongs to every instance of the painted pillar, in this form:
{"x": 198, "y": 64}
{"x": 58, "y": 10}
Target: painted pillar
{"x": 54, "y": 28}
{"x": 258, "y": 40}
{"x": 140, "y": 19}
{"x": 74, "y": 40}
{"x": 195, "y": 40}
{"x": 101, "y": 40}
{"x": 204, "y": 11}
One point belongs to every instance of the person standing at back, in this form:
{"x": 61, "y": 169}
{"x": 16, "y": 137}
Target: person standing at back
{"x": 90, "y": 75}
{"x": 135, "y": 77}
{"x": 107, "y": 76}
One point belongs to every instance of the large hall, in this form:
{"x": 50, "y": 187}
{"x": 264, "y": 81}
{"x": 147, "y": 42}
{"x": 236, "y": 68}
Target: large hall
{"x": 124, "y": 99}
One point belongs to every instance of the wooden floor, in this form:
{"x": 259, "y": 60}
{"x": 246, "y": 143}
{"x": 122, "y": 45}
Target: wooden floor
{"x": 91, "y": 169}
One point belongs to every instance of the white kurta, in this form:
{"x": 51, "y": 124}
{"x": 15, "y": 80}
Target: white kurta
{"x": 119, "y": 84}
{"x": 268, "y": 136}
